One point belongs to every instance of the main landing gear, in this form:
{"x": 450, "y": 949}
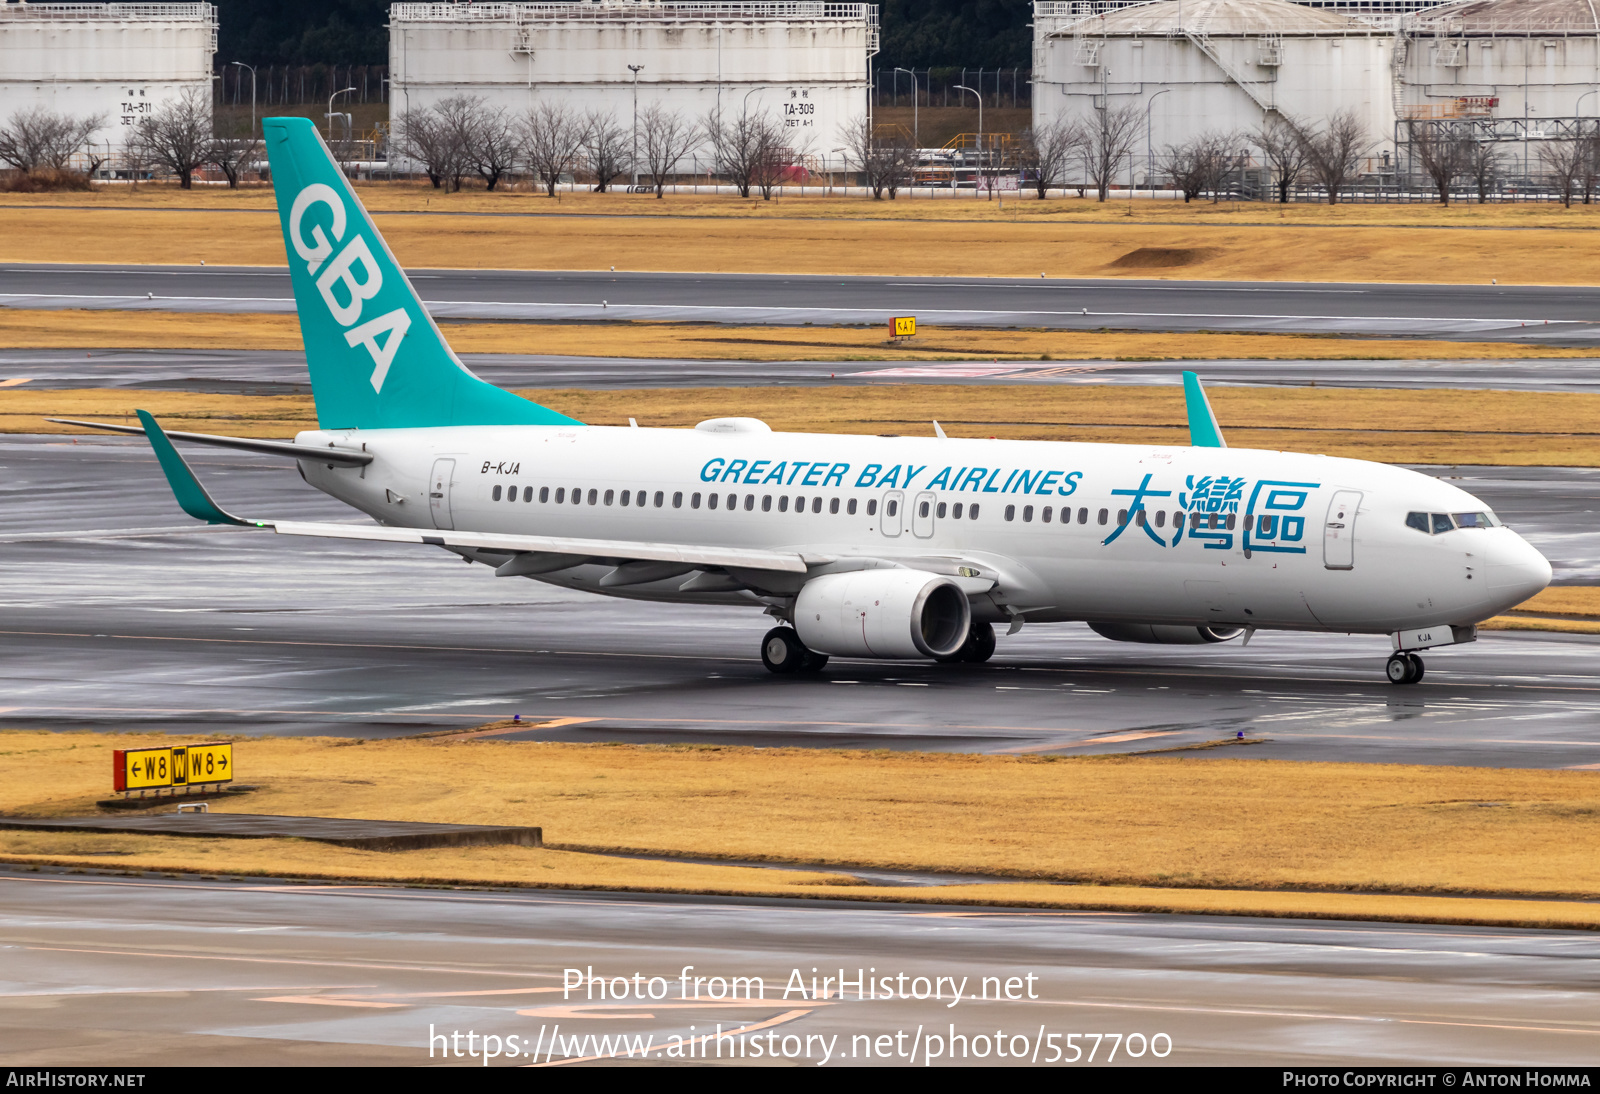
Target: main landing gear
{"x": 978, "y": 647}
{"x": 1403, "y": 668}
{"x": 783, "y": 653}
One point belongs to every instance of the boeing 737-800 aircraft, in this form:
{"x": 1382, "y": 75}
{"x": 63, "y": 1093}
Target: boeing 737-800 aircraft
{"x": 883, "y": 547}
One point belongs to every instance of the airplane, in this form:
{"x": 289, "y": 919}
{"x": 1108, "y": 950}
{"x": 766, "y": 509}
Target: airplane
{"x": 856, "y": 546}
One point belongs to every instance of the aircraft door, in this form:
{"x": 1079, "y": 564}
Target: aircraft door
{"x": 890, "y": 519}
{"x": 439, "y": 493}
{"x": 922, "y": 516}
{"x": 1339, "y": 531}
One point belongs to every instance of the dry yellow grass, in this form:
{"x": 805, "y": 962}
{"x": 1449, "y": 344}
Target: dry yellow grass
{"x": 1396, "y": 426}
{"x": 75, "y": 329}
{"x": 786, "y": 238}
{"x": 1157, "y": 822}
{"x": 1570, "y": 609}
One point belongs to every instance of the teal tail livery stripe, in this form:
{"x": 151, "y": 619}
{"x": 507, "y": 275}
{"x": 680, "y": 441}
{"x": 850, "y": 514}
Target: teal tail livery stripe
{"x": 376, "y": 358}
{"x": 192, "y": 497}
{"x": 1203, "y": 429}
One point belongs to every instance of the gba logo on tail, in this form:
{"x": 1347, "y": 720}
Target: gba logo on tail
{"x": 341, "y": 269}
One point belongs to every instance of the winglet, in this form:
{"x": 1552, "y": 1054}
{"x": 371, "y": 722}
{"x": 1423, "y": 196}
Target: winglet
{"x": 185, "y": 487}
{"x": 1203, "y": 429}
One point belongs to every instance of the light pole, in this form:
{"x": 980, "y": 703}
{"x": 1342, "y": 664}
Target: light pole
{"x": 252, "y": 69}
{"x": 830, "y": 174}
{"x": 916, "y": 139}
{"x": 332, "y": 97}
{"x": 975, "y": 95}
{"x": 1149, "y": 150}
{"x": 633, "y": 155}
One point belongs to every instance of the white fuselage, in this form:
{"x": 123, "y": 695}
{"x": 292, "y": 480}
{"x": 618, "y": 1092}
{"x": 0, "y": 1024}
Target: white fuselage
{"x": 1207, "y": 535}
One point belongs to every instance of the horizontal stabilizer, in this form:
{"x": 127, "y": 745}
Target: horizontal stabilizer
{"x": 342, "y": 456}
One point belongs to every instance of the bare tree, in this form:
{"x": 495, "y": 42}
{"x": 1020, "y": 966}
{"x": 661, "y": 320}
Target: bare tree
{"x": 494, "y": 144}
{"x": 668, "y": 138}
{"x": 178, "y": 134}
{"x": 882, "y": 154}
{"x": 1284, "y": 148}
{"x": 607, "y": 148}
{"x": 39, "y": 138}
{"x": 459, "y": 118}
{"x": 1048, "y": 150}
{"x": 777, "y": 158}
{"x": 553, "y": 137}
{"x": 739, "y": 145}
{"x": 1334, "y": 150}
{"x": 423, "y": 136}
{"x": 1565, "y": 161}
{"x": 1109, "y": 135}
{"x": 235, "y": 153}
{"x": 1439, "y": 152}
{"x": 1480, "y": 162}
{"x": 1201, "y": 164}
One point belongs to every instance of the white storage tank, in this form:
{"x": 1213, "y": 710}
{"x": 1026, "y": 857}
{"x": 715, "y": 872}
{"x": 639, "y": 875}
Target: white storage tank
{"x": 803, "y": 60}
{"x": 1227, "y": 64}
{"x": 1537, "y": 59}
{"x": 118, "y": 60}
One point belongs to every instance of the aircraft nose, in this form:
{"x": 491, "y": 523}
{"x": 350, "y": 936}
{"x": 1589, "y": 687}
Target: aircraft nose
{"x": 1516, "y": 570}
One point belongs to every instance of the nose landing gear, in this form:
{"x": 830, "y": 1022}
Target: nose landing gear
{"x": 1404, "y": 668}
{"x": 783, "y": 653}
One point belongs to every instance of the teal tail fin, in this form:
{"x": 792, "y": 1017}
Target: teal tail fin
{"x": 376, "y": 358}
{"x": 1203, "y": 429}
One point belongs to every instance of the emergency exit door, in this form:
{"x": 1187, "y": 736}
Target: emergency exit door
{"x": 1339, "y": 530}
{"x": 889, "y": 520}
{"x": 439, "y": 493}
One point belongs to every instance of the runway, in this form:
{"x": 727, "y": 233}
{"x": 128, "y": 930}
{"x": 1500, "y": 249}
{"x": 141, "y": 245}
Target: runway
{"x": 135, "y": 972}
{"x": 121, "y": 614}
{"x": 1547, "y": 314}
{"x": 270, "y": 372}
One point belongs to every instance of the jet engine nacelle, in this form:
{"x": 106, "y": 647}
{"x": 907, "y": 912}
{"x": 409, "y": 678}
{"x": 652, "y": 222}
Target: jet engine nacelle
{"x": 883, "y": 613}
{"x": 1164, "y": 634}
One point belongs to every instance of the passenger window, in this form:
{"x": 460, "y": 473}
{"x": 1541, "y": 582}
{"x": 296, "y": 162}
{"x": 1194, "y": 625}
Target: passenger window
{"x": 610, "y": 496}
{"x": 816, "y": 505}
{"x": 1027, "y": 514}
{"x": 955, "y": 510}
{"x": 833, "y": 505}
{"x": 1267, "y": 527}
{"x": 872, "y": 507}
{"x": 561, "y": 495}
{"x": 661, "y": 497}
{"x": 496, "y": 494}
{"x": 1161, "y": 519}
{"x": 1249, "y": 522}
{"x": 1177, "y": 520}
{"x": 544, "y": 495}
{"x": 972, "y": 511}
{"x": 694, "y": 502}
{"x": 1138, "y": 518}
{"x": 749, "y": 502}
{"x": 923, "y": 510}
{"x": 1419, "y": 521}
{"x": 799, "y": 505}
{"x": 890, "y": 508}
{"x": 1194, "y": 522}
{"x": 1011, "y": 512}
{"x": 594, "y": 495}
{"x": 1083, "y": 516}
{"x": 1229, "y": 521}
{"x": 766, "y": 503}
{"x": 1122, "y": 517}
{"x": 733, "y": 501}
{"x": 622, "y": 499}
{"x": 1442, "y": 523}
{"x": 850, "y": 507}
{"x": 783, "y": 504}
{"x": 1044, "y": 514}
{"x": 940, "y": 512}
{"x": 712, "y": 500}
{"x": 527, "y": 493}
{"x": 677, "y": 499}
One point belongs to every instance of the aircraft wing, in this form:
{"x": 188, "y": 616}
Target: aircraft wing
{"x": 344, "y": 456}
{"x": 195, "y": 501}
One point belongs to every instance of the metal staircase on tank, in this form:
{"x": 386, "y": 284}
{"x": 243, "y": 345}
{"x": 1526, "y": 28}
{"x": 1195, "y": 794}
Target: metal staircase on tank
{"x": 1261, "y": 92}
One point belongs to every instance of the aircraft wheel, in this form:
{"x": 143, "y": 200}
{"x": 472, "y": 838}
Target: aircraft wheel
{"x": 813, "y": 663}
{"x": 1417, "y": 668}
{"x": 783, "y": 652}
{"x": 1400, "y": 668}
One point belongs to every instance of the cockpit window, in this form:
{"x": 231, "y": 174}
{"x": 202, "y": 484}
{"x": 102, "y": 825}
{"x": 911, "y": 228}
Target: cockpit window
{"x": 1437, "y": 523}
